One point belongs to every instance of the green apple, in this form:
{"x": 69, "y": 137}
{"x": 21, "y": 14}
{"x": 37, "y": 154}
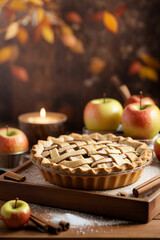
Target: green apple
{"x": 102, "y": 114}
{"x": 15, "y": 213}
{"x": 141, "y": 122}
{"x": 12, "y": 140}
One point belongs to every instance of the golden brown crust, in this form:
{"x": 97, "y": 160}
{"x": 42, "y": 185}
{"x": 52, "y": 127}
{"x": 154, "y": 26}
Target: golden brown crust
{"x": 88, "y": 145}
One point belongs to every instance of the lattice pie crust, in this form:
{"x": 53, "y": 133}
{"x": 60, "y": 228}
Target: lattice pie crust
{"x": 92, "y": 161}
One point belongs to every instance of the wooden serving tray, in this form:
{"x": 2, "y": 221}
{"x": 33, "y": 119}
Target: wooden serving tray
{"x": 129, "y": 208}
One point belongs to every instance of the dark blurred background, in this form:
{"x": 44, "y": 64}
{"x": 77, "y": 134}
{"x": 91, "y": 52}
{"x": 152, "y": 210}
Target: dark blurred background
{"x": 68, "y": 56}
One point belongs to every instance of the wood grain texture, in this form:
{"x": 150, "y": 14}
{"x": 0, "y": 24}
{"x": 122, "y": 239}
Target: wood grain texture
{"x": 142, "y": 210}
{"x": 150, "y": 230}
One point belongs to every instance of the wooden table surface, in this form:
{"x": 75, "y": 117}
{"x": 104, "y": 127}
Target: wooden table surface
{"x": 135, "y": 230}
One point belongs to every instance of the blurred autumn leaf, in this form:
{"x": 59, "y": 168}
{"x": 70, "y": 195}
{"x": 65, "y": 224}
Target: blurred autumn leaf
{"x": 110, "y": 22}
{"x": 146, "y": 69}
{"x": 148, "y": 73}
{"x": 68, "y": 38}
{"x": 66, "y": 30}
{"x": 19, "y": 72}
{"x": 97, "y": 17}
{"x": 78, "y": 47}
{"x": 134, "y": 67}
{"x": 73, "y": 17}
{"x": 40, "y": 15}
{"x": 17, "y": 5}
{"x": 120, "y": 10}
{"x": 12, "y": 30}
{"x": 22, "y": 35}
{"x": 37, "y": 33}
{"x": 48, "y": 34}
{"x": 5, "y": 54}
{"x": 149, "y": 60}
{"x": 3, "y": 2}
{"x": 96, "y": 65}
{"x": 36, "y": 2}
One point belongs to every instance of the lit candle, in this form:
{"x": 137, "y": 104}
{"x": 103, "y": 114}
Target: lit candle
{"x": 40, "y": 125}
{"x": 44, "y": 118}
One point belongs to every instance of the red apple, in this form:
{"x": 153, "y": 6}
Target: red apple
{"x": 157, "y": 148}
{"x": 141, "y": 123}
{"x": 136, "y": 99}
{"x": 15, "y": 213}
{"x": 12, "y": 140}
{"x": 102, "y": 114}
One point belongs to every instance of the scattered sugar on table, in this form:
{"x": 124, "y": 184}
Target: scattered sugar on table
{"x": 77, "y": 220}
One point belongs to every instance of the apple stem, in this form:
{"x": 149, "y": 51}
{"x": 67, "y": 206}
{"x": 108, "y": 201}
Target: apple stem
{"x": 7, "y": 130}
{"x": 16, "y": 202}
{"x": 141, "y": 94}
{"x": 104, "y": 97}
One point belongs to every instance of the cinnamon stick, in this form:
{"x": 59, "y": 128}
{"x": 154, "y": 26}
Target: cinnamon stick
{"x": 45, "y": 225}
{"x": 14, "y": 176}
{"x": 147, "y": 186}
{"x": 41, "y": 225}
{"x": 54, "y": 228}
{"x": 65, "y": 225}
{"x": 122, "y": 194}
{"x": 124, "y": 91}
{"x": 122, "y": 88}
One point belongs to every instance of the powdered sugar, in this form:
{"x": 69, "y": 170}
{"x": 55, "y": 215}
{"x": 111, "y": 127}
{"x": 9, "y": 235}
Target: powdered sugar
{"x": 33, "y": 175}
{"x": 82, "y": 220}
{"x": 75, "y": 219}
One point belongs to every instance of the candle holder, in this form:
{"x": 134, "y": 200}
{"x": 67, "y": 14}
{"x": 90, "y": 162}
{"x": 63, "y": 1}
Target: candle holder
{"x": 36, "y": 128}
{"x": 12, "y": 160}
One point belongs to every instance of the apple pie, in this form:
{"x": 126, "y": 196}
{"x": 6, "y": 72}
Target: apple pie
{"x": 92, "y": 161}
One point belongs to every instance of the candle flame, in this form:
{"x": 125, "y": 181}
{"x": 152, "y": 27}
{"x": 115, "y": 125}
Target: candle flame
{"x": 42, "y": 113}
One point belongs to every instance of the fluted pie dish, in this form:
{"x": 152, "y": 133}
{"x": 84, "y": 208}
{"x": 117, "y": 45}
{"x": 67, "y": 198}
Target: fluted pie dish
{"x": 94, "y": 162}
